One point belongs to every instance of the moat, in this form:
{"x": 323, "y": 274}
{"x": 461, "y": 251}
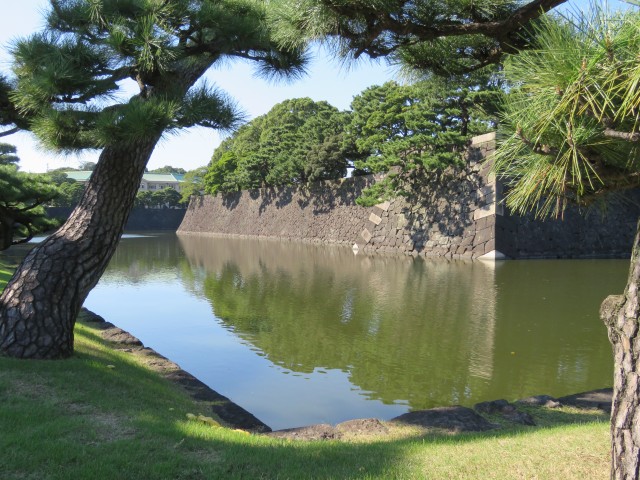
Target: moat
{"x": 300, "y": 334}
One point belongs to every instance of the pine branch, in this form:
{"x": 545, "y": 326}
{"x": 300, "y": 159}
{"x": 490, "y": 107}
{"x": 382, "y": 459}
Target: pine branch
{"x": 633, "y": 137}
{"x": 537, "y": 148}
{"x": 11, "y": 131}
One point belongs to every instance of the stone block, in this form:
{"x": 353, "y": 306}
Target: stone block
{"x": 490, "y": 245}
{"x": 401, "y": 221}
{"x": 378, "y": 211}
{"x": 485, "y": 211}
{"x": 487, "y": 137}
{"x": 466, "y": 241}
{"x": 484, "y": 236}
{"x": 375, "y": 219}
{"x": 487, "y": 194}
{"x": 366, "y": 235}
{"x": 384, "y": 205}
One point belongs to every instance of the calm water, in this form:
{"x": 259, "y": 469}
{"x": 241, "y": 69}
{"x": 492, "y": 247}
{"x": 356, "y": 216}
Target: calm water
{"x": 299, "y": 334}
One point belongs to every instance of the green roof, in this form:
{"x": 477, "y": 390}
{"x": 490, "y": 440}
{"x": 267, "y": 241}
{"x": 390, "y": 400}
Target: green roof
{"x": 80, "y": 176}
{"x": 83, "y": 176}
{"x": 162, "y": 177}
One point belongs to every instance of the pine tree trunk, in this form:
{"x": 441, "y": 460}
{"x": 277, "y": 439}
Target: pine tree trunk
{"x": 39, "y": 305}
{"x": 620, "y": 314}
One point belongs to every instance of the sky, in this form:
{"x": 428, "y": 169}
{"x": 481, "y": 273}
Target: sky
{"x": 327, "y": 79}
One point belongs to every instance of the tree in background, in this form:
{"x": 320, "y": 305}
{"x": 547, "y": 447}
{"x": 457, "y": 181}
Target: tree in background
{"x": 144, "y": 199}
{"x": 571, "y": 132}
{"x": 192, "y": 184}
{"x": 65, "y": 86}
{"x": 423, "y": 127}
{"x": 8, "y": 154}
{"x": 169, "y": 169}
{"x": 70, "y": 190}
{"x": 70, "y": 193}
{"x": 221, "y": 171}
{"x": 22, "y": 196}
{"x": 87, "y": 166}
{"x": 166, "y": 198}
{"x": 297, "y": 141}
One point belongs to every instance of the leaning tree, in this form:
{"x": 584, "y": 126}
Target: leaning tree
{"x": 67, "y": 78}
{"x": 572, "y": 135}
{"x": 70, "y": 88}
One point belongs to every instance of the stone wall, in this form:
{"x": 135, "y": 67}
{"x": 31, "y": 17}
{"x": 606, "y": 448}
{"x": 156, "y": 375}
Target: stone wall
{"x": 141, "y": 219}
{"x": 323, "y": 212}
{"x": 457, "y": 213}
{"x": 444, "y": 217}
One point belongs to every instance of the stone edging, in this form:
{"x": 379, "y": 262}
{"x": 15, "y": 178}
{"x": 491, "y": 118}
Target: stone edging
{"x": 229, "y": 412}
{"x": 453, "y": 419}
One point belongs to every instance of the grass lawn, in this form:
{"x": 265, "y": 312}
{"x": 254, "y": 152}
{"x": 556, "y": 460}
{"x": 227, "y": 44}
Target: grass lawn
{"x": 104, "y": 415}
{"x": 6, "y": 270}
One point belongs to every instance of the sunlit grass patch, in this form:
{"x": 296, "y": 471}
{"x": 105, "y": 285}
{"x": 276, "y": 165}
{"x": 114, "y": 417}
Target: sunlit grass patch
{"x": 103, "y": 414}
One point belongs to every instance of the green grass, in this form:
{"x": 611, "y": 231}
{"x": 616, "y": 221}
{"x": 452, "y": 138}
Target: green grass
{"x": 6, "y": 270}
{"x": 102, "y": 415}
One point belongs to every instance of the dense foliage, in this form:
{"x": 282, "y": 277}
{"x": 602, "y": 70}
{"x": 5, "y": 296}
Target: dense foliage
{"x": 164, "y": 198}
{"x": 424, "y": 125}
{"x": 192, "y": 184}
{"x": 571, "y": 123}
{"x": 298, "y": 140}
{"x": 169, "y": 169}
{"x": 22, "y": 196}
{"x": 443, "y": 36}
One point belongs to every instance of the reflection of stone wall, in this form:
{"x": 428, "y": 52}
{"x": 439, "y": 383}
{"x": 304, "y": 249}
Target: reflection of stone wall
{"x": 452, "y": 214}
{"x": 385, "y": 318}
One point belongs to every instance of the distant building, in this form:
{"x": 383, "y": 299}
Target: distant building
{"x": 150, "y": 181}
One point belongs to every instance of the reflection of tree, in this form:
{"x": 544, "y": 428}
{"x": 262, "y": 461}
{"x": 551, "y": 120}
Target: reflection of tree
{"x": 145, "y": 258}
{"x": 392, "y": 323}
{"x": 428, "y": 332}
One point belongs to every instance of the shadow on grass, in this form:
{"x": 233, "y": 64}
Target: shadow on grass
{"x": 101, "y": 414}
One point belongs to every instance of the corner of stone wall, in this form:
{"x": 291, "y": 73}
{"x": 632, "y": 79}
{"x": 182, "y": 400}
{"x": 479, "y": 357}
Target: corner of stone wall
{"x": 489, "y": 198}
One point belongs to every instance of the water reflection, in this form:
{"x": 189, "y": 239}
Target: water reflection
{"x": 363, "y": 336}
{"x": 390, "y": 323}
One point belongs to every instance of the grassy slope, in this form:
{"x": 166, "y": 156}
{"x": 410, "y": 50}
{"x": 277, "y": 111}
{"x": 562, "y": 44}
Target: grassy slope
{"x": 102, "y": 415}
{"x": 5, "y": 274}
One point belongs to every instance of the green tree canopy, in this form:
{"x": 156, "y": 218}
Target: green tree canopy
{"x": 442, "y": 36}
{"x": 169, "y": 169}
{"x": 424, "y": 126}
{"x": 8, "y": 154}
{"x": 298, "y": 140}
{"x": 22, "y": 196}
{"x": 192, "y": 184}
{"x": 72, "y": 84}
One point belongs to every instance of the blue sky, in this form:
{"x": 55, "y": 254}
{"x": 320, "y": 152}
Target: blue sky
{"x": 327, "y": 80}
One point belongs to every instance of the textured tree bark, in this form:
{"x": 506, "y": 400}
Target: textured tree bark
{"x": 620, "y": 314}
{"x": 39, "y": 305}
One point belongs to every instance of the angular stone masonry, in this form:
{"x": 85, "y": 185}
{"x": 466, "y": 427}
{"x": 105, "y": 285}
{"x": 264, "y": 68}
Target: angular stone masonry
{"x": 455, "y": 214}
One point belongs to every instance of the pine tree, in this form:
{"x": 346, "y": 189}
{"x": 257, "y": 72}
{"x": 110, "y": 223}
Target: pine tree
{"x": 442, "y": 36}
{"x": 571, "y": 131}
{"x": 22, "y": 196}
{"x": 67, "y": 78}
